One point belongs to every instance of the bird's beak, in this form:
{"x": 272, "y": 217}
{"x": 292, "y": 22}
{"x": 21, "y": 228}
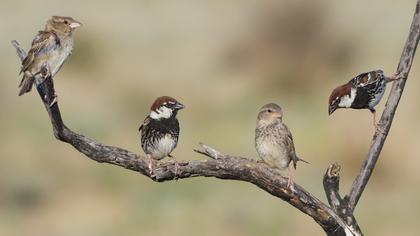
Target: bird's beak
{"x": 75, "y": 24}
{"x": 278, "y": 116}
{"x": 178, "y": 106}
{"x": 331, "y": 109}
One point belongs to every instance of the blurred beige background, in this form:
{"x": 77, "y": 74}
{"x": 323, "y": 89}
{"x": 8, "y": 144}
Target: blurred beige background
{"x": 223, "y": 60}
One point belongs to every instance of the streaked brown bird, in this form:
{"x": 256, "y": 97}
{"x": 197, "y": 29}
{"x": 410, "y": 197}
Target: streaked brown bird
{"x": 50, "y": 48}
{"x": 273, "y": 140}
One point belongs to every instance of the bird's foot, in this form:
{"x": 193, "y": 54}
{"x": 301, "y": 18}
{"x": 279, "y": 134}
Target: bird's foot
{"x": 289, "y": 182}
{"x": 151, "y": 166}
{"x": 395, "y": 77}
{"x": 175, "y": 167}
{"x": 289, "y": 178}
{"x": 377, "y": 125}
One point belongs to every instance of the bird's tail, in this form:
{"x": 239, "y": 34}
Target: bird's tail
{"x": 26, "y": 84}
{"x": 296, "y": 159}
{"x": 299, "y": 159}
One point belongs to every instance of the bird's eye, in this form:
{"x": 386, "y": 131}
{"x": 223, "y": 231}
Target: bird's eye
{"x": 269, "y": 110}
{"x": 66, "y": 22}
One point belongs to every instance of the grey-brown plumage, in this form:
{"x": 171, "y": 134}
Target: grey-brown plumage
{"x": 273, "y": 140}
{"x": 50, "y": 48}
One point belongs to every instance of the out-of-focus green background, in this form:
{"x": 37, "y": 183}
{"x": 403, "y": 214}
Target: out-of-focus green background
{"x": 223, "y": 60}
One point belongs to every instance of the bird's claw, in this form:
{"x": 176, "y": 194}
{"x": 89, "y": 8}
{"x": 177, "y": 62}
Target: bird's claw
{"x": 289, "y": 177}
{"x": 378, "y": 126}
{"x": 289, "y": 182}
{"x": 395, "y": 77}
{"x": 151, "y": 167}
{"x": 175, "y": 170}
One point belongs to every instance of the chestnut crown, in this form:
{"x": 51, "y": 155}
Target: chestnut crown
{"x": 165, "y": 107}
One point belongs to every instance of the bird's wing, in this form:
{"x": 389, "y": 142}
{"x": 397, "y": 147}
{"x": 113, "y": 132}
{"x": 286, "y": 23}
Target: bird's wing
{"x": 44, "y": 42}
{"x": 145, "y": 122}
{"x": 365, "y": 79}
{"x": 290, "y": 146}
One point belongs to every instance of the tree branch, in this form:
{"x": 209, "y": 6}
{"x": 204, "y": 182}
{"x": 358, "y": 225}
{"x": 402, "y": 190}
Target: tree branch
{"x": 378, "y": 141}
{"x": 331, "y": 185}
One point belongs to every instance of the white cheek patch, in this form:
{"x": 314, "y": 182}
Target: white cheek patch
{"x": 154, "y": 115}
{"x": 347, "y": 100}
{"x": 162, "y": 112}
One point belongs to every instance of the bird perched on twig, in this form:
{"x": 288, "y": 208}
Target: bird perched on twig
{"x": 50, "y": 48}
{"x": 273, "y": 140}
{"x": 160, "y": 130}
{"x": 364, "y": 91}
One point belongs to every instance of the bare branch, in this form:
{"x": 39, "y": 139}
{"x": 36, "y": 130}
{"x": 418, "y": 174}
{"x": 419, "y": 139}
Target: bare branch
{"x": 210, "y": 152}
{"x": 378, "y": 141}
{"x": 331, "y": 186}
{"x": 221, "y": 166}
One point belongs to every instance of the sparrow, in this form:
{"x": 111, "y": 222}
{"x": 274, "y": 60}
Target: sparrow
{"x": 364, "y": 91}
{"x": 160, "y": 130}
{"x": 50, "y": 48}
{"x": 273, "y": 140}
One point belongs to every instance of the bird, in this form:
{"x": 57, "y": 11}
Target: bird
{"x": 364, "y": 91}
{"x": 274, "y": 141}
{"x": 160, "y": 130}
{"x": 50, "y": 48}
